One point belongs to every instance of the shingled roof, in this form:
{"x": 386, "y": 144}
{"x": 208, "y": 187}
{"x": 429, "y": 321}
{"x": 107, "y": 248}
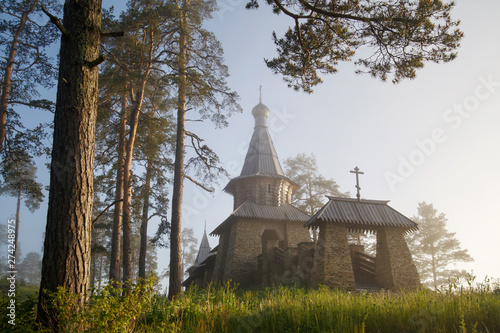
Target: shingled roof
{"x": 361, "y": 215}
{"x": 261, "y": 159}
{"x": 204, "y": 250}
{"x": 261, "y": 156}
{"x": 250, "y": 209}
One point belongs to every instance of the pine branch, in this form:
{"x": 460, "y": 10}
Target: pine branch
{"x": 211, "y": 190}
{"x": 56, "y": 21}
{"x": 105, "y": 210}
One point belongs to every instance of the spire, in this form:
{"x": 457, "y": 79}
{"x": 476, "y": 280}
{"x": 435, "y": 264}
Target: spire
{"x": 204, "y": 250}
{"x": 261, "y": 156}
{"x": 261, "y": 180}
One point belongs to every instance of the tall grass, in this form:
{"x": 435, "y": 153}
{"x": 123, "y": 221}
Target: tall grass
{"x": 285, "y": 309}
{"x": 474, "y": 308}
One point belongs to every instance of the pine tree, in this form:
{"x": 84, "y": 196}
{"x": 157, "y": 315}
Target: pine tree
{"x": 154, "y": 154}
{"x": 30, "y": 268}
{"x": 434, "y": 248}
{"x": 200, "y": 80}
{"x": 20, "y": 181}
{"x": 25, "y": 66}
{"x": 396, "y": 37}
{"x": 66, "y": 258}
{"x": 136, "y": 64}
{"x": 313, "y": 187}
{"x": 189, "y": 250}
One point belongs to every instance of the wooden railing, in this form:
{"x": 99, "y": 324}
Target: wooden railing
{"x": 364, "y": 263}
{"x": 279, "y": 255}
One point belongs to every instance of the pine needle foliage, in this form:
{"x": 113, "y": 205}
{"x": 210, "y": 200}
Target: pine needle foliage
{"x": 392, "y": 38}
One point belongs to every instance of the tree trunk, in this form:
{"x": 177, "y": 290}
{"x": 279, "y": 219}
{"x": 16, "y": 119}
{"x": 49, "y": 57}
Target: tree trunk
{"x": 175, "y": 281}
{"x": 144, "y": 224}
{"x": 18, "y": 214}
{"x": 93, "y": 265}
{"x": 433, "y": 265}
{"x": 66, "y": 259}
{"x": 311, "y": 208}
{"x": 114, "y": 266}
{"x": 6, "y": 84}
{"x": 127, "y": 195}
{"x": 100, "y": 272}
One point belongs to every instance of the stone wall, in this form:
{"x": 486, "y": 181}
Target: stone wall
{"x": 394, "y": 267}
{"x": 245, "y": 245}
{"x": 328, "y": 262}
{"x": 220, "y": 259}
{"x": 240, "y": 247}
{"x": 296, "y": 233}
{"x": 332, "y": 258}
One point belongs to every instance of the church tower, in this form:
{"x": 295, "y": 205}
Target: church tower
{"x": 261, "y": 180}
{"x": 263, "y": 217}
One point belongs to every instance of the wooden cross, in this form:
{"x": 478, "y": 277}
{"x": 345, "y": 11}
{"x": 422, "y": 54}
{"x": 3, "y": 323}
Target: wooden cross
{"x": 357, "y": 172}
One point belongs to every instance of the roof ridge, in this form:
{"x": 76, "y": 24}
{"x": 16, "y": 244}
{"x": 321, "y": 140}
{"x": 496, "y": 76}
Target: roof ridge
{"x": 367, "y": 201}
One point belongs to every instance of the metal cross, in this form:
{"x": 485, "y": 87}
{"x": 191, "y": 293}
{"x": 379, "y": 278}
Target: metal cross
{"x": 357, "y": 172}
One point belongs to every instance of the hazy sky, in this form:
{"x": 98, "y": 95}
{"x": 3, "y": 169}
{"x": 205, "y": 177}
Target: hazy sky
{"x": 432, "y": 139}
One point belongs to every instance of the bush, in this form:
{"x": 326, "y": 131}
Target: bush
{"x": 106, "y": 311}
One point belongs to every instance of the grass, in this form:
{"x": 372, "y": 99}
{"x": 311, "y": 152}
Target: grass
{"x": 285, "y": 309}
{"x": 289, "y": 309}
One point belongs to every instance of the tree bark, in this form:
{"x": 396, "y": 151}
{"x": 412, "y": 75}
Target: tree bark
{"x": 114, "y": 266}
{"x": 7, "y": 77}
{"x": 144, "y": 224}
{"x": 66, "y": 259}
{"x": 175, "y": 281}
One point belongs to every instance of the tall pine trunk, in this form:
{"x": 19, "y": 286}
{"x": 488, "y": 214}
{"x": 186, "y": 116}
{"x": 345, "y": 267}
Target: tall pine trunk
{"x": 127, "y": 202}
{"x": 127, "y": 172}
{"x": 127, "y": 194}
{"x": 93, "y": 265}
{"x": 144, "y": 223}
{"x": 7, "y": 76}
{"x": 100, "y": 271}
{"x": 114, "y": 265}
{"x": 66, "y": 259}
{"x": 175, "y": 281}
